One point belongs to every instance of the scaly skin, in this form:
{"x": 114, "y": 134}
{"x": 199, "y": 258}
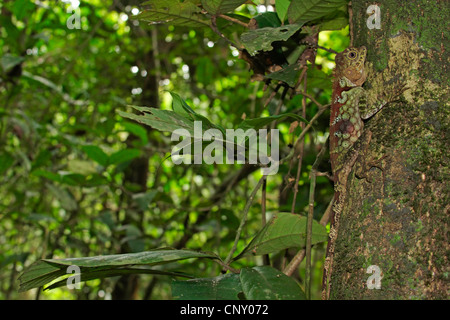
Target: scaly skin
{"x": 346, "y": 136}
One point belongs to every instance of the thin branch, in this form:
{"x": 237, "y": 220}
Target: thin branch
{"x": 233, "y": 20}
{"x": 302, "y": 135}
{"x": 216, "y": 30}
{"x": 300, "y": 156}
{"x": 244, "y": 219}
{"x": 266, "y": 259}
{"x": 309, "y": 223}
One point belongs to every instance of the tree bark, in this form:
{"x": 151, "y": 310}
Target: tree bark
{"x": 397, "y": 218}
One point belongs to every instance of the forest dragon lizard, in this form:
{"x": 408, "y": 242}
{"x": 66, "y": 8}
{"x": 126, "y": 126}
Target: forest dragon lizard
{"x": 347, "y": 138}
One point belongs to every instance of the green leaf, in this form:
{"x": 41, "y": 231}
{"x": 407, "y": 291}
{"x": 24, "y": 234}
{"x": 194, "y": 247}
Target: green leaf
{"x": 268, "y": 19}
{"x": 335, "y": 21}
{"x": 144, "y": 199}
{"x": 96, "y": 154}
{"x": 153, "y": 257}
{"x": 124, "y": 156}
{"x": 39, "y": 274}
{"x": 267, "y": 283}
{"x": 87, "y": 275}
{"x": 6, "y": 161}
{"x": 47, "y": 174}
{"x": 42, "y": 158}
{"x": 73, "y": 179}
{"x": 318, "y": 79}
{"x": 221, "y": 6}
{"x": 9, "y": 61}
{"x": 281, "y": 7}
{"x": 262, "y": 39}
{"x": 223, "y": 287}
{"x": 308, "y": 10}
{"x": 284, "y": 230}
{"x": 95, "y": 180}
{"x": 47, "y": 270}
{"x": 180, "y": 106}
{"x": 162, "y": 120}
{"x": 288, "y": 75}
{"x": 22, "y": 8}
{"x": 258, "y": 123}
{"x": 185, "y": 13}
{"x": 137, "y": 130}
{"x": 169, "y": 121}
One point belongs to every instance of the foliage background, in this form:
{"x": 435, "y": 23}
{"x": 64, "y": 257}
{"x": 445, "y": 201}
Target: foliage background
{"x": 65, "y": 153}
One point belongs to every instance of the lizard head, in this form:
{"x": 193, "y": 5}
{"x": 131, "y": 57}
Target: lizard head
{"x": 350, "y": 66}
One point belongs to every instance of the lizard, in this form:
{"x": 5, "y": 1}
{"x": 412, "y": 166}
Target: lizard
{"x": 347, "y": 135}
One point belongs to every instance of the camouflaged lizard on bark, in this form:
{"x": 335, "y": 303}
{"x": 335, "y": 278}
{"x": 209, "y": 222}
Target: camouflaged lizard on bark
{"x": 347, "y": 137}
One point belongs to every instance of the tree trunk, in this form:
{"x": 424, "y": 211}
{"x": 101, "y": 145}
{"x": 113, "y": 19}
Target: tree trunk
{"x": 397, "y": 218}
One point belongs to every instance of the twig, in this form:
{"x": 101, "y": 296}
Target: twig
{"x": 311, "y": 98}
{"x": 244, "y": 219}
{"x": 300, "y": 156}
{"x": 266, "y": 259}
{"x": 309, "y": 223}
{"x": 216, "y": 30}
{"x": 302, "y": 135}
{"x": 227, "y": 267}
{"x": 233, "y": 20}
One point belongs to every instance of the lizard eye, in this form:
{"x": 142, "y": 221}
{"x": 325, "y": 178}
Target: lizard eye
{"x": 352, "y": 54}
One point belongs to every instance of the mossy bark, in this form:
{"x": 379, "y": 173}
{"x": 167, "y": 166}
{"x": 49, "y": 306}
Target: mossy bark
{"x": 397, "y": 219}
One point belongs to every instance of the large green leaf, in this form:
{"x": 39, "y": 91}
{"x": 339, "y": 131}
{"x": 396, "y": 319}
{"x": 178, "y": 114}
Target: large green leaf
{"x": 262, "y": 39}
{"x": 162, "y": 120}
{"x": 137, "y": 130}
{"x": 183, "y": 117}
{"x": 267, "y": 283}
{"x": 284, "y": 230}
{"x": 307, "y": 10}
{"x": 258, "y": 123}
{"x": 93, "y": 273}
{"x": 96, "y": 154}
{"x": 282, "y": 7}
{"x": 124, "y": 155}
{"x": 185, "y": 13}
{"x": 268, "y": 19}
{"x": 221, "y": 6}
{"x": 181, "y": 107}
{"x": 47, "y": 270}
{"x": 153, "y": 257}
{"x": 223, "y": 287}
